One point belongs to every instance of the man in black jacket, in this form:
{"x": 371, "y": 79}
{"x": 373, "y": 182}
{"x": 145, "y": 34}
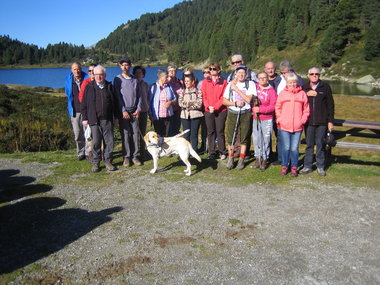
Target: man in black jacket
{"x": 321, "y": 118}
{"x": 99, "y": 108}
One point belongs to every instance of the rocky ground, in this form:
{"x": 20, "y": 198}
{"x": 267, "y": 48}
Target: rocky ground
{"x": 149, "y": 230}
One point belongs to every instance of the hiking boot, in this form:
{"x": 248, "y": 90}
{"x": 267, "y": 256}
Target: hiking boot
{"x": 240, "y": 164}
{"x": 293, "y": 172}
{"x": 284, "y": 171}
{"x": 223, "y": 156}
{"x": 257, "y": 163}
{"x": 81, "y": 157}
{"x": 109, "y": 166}
{"x": 230, "y": 162}
{"x": 126, "y": 162}
{"x": 321, "y": 172}
{"x": 263, "y": 165}
{"x": 95, "y": 168}
{"x": 305, "y": 170}
{"x": 136, "y": 162}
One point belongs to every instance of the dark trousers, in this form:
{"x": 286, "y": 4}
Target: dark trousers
{"x": 193, "y": 126}
{"x": 215, "y": 123}
{"x": 129, "y": 130}
{"x": 315, "y": 136}
{"x": 102, "y": 131}
{"x": 162, "y": 126}
{"x": 175, "y": 124}
{"x": 143, "y": 120}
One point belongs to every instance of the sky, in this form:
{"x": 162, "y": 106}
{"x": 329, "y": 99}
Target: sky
{"x": 41, "y": 22}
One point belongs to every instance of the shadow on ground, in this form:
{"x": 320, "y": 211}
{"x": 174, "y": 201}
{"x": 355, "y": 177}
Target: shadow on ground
{"x": 34, "y": 228}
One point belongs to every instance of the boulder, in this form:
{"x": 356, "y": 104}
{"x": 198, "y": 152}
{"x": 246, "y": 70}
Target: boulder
{"x": 365, "y": 79}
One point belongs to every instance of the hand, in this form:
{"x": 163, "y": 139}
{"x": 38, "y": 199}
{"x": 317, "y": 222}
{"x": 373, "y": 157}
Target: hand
{"x": 256, "y": 110}
{"x": 330, "y": 126}
{"x": 211, "y": 108}
{"x": 234, "y": 87}
{"x": 85, "y": 123}
{"x": 240, "y": 104}
{"x": 311, "y": 93}
{"x": 167, "y": 104}
{"x": 136, "y": 114}
{"x": 126, "y": 115}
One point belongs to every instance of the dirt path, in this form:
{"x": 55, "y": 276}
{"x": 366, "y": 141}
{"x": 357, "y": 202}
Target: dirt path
{"x": 151, "y": 231}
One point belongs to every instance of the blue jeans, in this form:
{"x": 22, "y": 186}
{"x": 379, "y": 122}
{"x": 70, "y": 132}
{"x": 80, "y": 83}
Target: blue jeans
{"x": 289, "y": 143}
{"x": 193, "y": 126}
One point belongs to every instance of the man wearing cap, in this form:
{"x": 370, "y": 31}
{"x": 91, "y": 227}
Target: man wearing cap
{"x": 237, "y": 97}
{"x": 130, "y": 107}
{"x": 73, "y": 82}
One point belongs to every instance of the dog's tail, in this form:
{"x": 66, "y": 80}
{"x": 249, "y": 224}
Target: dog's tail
{"x": 181, "y": 134}
{"x": 195, "y": 154}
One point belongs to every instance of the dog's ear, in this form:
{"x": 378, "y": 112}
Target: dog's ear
{"x": 146, "y": 138}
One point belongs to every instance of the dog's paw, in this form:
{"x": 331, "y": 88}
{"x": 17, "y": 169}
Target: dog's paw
{"x": 153, "y": 171}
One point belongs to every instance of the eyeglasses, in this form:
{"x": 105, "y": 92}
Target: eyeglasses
{"x": 316, "y": 74}
{"x": 263, "y": 78}
{"x": 284, "y": 72}
{"x": 213, "y": 68}
{"x": 90, "y": 70}
{"x": 236, "y": 62}
{"x": 204, "y": 72}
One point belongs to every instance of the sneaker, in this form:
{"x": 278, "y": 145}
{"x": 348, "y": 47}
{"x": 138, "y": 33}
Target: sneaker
{"x": 293, "y": 172}
{"x": 284, "y": 171}
{"x": 136, "y": 162}
{"x": 223, "y": 157}
{"x": 109, "y": 166}
{"x": 126, "y": 162}
{"x": 240, "y": 164}
{"x": 257, "y": 163}
{"x": 81, "y": 157}
{"x": 263, "y": 165}
{"x": 305, "y": 170}
{"x": 230, "y": 162}
{"x": 95, "y": 168}
{"x": 321, "y": 172}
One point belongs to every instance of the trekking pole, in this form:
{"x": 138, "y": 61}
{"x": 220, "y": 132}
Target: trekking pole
{"x": 235, "y": 131}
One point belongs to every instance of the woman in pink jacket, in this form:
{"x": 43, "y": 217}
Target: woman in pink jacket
{"x": 292, "y": 112}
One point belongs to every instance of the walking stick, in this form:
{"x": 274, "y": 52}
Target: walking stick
{"x": 235, "y": 131}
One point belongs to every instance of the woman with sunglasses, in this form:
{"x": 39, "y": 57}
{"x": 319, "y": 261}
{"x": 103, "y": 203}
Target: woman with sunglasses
{"x": 215, "y": 112}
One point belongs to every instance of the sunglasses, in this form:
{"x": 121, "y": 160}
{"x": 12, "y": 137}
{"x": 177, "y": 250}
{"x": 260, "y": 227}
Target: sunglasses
{"x": 204, "y": 72}
{"x": 213, "y": 68}
{"x": 316, "y": 74}
{"x": 236, "y": 62}
{"x": 90, "y": 70}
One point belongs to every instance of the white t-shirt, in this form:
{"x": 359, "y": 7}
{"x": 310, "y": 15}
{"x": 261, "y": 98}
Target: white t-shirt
{"x": 236, "y": 97}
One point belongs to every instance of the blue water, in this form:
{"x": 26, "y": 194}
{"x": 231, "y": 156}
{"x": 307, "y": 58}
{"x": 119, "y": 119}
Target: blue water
{"x": 54, "y": 78}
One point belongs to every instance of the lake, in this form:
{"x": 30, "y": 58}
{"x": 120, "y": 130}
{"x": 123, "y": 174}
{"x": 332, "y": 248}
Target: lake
{"x": 54, "y": 78}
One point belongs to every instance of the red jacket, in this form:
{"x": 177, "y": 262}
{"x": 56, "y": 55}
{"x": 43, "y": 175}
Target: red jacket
{"x": 213, "y": 94}
{"x": 292, "y": 109}
{"x": 82, "y": 87}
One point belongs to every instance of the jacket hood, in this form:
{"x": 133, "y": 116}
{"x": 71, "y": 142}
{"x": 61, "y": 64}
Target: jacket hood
{"x": 295, "y": 90}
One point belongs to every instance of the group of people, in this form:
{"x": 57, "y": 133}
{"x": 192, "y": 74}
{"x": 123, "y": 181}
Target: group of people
{"x": 232, "y": 113}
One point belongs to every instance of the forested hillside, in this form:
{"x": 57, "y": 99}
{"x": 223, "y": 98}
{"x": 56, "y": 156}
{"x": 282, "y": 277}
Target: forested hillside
{"x": 199, "y": 30}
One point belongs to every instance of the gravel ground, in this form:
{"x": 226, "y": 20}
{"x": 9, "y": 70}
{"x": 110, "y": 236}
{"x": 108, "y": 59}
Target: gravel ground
{"x": 148, "y": 230}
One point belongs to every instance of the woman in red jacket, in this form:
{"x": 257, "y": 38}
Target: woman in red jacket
{"x": 215, "y": 112}
{"x": 292, "y": 112}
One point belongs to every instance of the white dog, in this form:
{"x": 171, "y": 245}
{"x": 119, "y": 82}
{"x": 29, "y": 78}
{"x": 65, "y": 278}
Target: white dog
{"x": 158, "y": 147}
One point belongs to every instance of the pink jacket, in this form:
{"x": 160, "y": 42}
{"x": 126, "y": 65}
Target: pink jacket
{"x": 292, "y": 110}
{"x": 268, "y": 98}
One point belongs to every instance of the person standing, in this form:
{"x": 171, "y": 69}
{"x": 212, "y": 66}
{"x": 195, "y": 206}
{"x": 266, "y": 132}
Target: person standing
{"x": 162, "y": 99}
{"x": 203, "y": 148}
{"x": 237, "y": 97}
{"x": 263, "y": 113}
{"x": 292, "y": 112}
{"x": 190, "y": 100}
{"x": 99, "y": 108}
{"x": 237, "y": 60}
{"x": 87, "y": 80}
{"x": 215, "y": 112}
{"x": 142, "y": 90}
{"x": 130, "y": 107}
{"x": 73, "y": 82}
{"x": 321, "y": 119}
{"x": 176, "y": 86}
{"x": 270, "y": 70}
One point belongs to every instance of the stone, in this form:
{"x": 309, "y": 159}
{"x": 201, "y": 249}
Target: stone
{"x": 366, "y": 79}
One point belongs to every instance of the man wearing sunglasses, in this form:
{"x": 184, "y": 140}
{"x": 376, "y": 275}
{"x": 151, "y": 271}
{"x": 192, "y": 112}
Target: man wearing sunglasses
{"x": 236, "y": 61}
{"x": 321, "y": 118}
{"x": 87, "y": 80}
